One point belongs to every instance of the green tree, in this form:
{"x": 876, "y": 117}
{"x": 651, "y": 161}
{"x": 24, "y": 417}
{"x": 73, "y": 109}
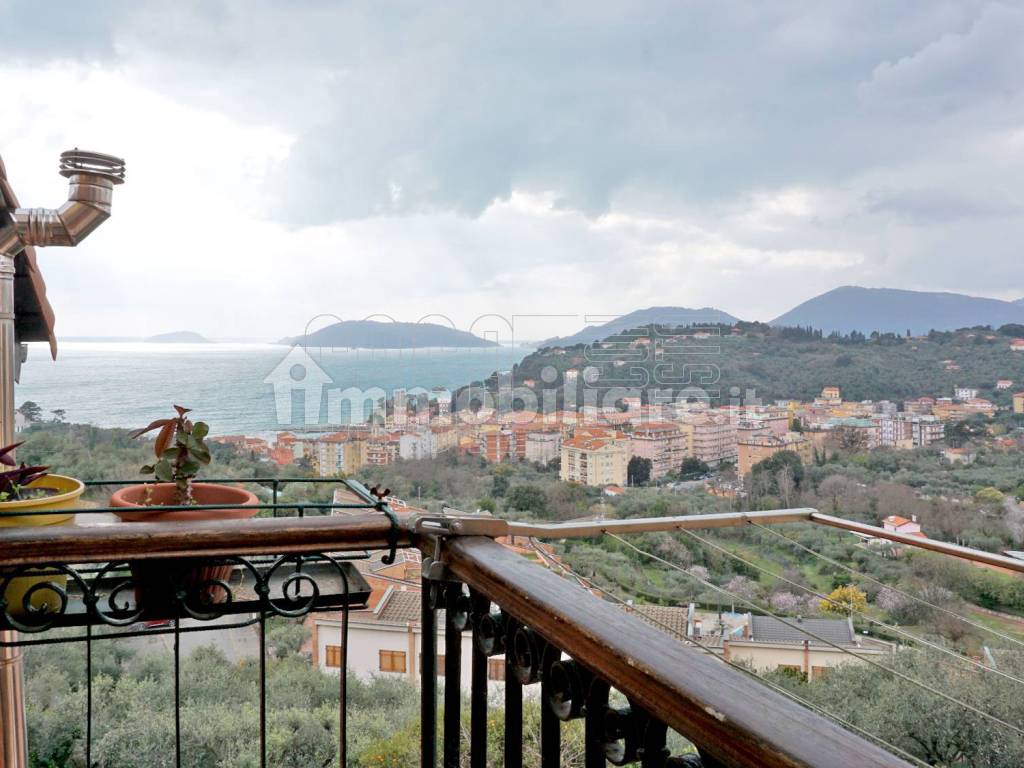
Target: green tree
{"x": 782, "y": 472}
{"x": 692, "y": 468}
{"x": 499, "y": 486}
{"x": 638, "y": 470}
{"x": 527, "y": 498}
{"x": 31, "y": 411}
{"x": 285, "y": 637}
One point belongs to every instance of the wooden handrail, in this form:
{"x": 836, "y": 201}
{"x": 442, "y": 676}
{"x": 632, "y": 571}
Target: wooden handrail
{"x": 921, "y": 542}
{"x": 593, "y": 528}
{"x": 212, "y": 538}
{"x": 727, "y": 715}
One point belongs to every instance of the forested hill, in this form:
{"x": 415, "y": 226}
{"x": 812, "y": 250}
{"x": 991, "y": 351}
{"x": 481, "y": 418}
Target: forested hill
{"x": 670, "y": 316}
{"x": 783, "y": 363}
{"x": 853, "y": 308}
{"x": 369, "y": 334}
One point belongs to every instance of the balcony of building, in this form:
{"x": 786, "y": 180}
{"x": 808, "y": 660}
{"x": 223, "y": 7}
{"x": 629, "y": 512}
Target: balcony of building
{"x": 497, "y": 625}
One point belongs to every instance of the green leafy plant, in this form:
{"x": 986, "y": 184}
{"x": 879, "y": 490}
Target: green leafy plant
{"x": 14, "y": 482}
{"x": 180, "y": 451}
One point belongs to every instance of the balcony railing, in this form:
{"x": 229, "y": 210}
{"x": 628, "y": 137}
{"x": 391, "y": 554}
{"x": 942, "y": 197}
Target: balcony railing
{"x": 628, "y": 681}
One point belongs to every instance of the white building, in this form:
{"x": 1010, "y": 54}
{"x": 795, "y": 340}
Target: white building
{"x": 401, "y": 411}
{"x": 908, "y": 430}
{"x": 965, "y": 393}
{"x": 542, "y": 447}
{"x": 386, "y": 641}
{"x": 418, "y": 445}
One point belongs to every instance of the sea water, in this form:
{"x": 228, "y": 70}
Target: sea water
{"x": 230, "y": 385}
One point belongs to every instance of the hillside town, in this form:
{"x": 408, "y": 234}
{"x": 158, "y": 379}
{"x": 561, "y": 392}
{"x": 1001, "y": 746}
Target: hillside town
{"x": 594, "y": 446}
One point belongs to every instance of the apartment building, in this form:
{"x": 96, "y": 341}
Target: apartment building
{"x": 831, "y": 395}
{"x": 663, "y": 443}
{"x": 594, "y": 460}
{"x": 920, "y": 405}
{"x": 497, "y": 446}
{"x": 336, "y": 454}
{"x": 542, "y": 447}
{"x": 949, "y": 410}
{"x": 865, "y": 428}
{"x": 446, "y": 438}
{"x": 381, "y": 451}
{"x": 1018, "y": 402}
{"x": 421, "y": 444}
{"x": 908, "y": 430}
{"x": 755, "y": 449}
{"x": 713, "y": 438}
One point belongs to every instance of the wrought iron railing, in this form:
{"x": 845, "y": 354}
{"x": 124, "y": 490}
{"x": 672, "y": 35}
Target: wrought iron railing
{"x": 133, "y": 580}
{"x": 576, "y": 648}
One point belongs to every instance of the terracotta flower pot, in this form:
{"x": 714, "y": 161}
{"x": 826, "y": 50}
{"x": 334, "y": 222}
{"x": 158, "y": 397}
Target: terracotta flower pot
{"x": 62, "y": 504}
{"x": 157, "y": 581}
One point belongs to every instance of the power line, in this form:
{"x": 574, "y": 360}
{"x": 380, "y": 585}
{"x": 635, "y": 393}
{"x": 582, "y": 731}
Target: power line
{"x": 897, "y": 590}
{"x": 584, "y": 581}
{"x": 866, "y": 616}
{"x": 865, "y": 659}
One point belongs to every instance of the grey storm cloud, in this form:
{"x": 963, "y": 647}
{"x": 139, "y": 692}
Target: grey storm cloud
{"x": 403, "y": 107}
{"x": 906, "y": 109}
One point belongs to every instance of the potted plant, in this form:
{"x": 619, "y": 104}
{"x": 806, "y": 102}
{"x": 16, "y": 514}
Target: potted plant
{"x": 52, "y": 500}
{"x": 181, "y": 452}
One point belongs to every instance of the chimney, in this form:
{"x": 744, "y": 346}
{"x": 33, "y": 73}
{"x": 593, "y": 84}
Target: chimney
{"x": 92, "y": 177}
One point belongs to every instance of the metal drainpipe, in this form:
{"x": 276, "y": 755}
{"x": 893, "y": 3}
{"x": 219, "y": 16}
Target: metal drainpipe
{"x": 92, "y": 178}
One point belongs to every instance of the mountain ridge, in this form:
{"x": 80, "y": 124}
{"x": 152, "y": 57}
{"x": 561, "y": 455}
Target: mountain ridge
{"x": 894, "y": 310}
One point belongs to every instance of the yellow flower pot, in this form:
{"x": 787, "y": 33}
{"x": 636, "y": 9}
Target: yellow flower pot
{"x": 58, "y": 508}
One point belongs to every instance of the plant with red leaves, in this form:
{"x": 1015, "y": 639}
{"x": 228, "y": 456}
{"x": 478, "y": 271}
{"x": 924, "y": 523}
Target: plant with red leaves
{"x": 180, "y": 451}
{"x": 14, "y": 482}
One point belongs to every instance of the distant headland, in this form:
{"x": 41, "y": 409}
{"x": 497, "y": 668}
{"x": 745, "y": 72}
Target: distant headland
{"x": 178, "y": 337}
{"x": 370, "y": 334}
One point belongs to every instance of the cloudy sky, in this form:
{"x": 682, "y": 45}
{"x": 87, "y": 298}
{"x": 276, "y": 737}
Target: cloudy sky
{"x": 565, "y": 158}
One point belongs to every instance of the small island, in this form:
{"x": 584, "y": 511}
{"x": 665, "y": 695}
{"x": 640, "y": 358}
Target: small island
{"x": 178, "y": 337}
{"x": 370, "y": 334}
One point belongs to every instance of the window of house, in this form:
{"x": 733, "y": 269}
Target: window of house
{"x": 392, "y": 661}
{"x": 495, "y": 669}
{"x": 440, "y": 664}
{"x": 333, "y": 656}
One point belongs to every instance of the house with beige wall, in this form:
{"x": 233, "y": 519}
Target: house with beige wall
{"x": 767, "y": 644}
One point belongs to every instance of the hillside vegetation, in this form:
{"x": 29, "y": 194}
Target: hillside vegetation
{"x": 793, "y": 363}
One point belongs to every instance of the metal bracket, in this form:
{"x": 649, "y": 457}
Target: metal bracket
{"x": 462, "y": 525}
{"x": 439, "y": 528}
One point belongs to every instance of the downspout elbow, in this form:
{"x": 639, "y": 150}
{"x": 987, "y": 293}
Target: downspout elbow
{"x": 92, "y": 178}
